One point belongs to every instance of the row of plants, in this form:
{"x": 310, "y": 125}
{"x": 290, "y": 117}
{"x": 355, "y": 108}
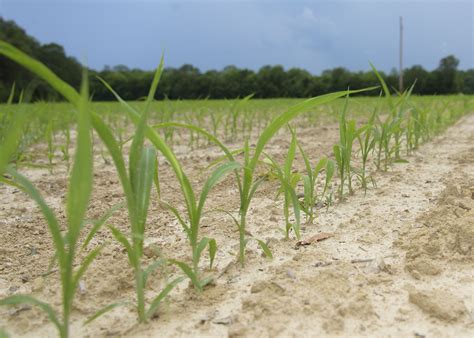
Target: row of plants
{"x": 231, "y": 121}
{"x": 396, "y": 124}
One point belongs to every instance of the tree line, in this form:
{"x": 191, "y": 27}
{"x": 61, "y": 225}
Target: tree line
{"x": 188, "y": 82}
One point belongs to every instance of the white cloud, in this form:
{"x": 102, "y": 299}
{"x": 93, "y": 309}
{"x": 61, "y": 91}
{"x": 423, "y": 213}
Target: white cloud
{"x": 308, "y": 14}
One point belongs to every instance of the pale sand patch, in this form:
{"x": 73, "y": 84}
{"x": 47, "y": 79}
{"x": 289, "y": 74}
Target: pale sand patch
{"x": 398, "y": 255}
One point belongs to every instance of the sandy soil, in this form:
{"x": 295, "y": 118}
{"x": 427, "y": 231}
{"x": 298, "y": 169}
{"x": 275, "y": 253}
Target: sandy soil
{"x": 399, "y": 263}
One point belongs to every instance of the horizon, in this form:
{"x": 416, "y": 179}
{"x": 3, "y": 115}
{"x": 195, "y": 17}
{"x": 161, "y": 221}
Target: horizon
{"x": 312, "y": 35}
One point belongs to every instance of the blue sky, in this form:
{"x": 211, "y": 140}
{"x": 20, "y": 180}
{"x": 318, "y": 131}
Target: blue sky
{"x": 211, "y": 34}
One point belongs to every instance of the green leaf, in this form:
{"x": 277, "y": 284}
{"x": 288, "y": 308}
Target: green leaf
{"x": 9, "y": 182}
{"x": 337, "y": 154}
{"x": 229, "y": 154}
{"x": 136, "y": 148}
{"x": 321, "y": 164}
{"x": 291, "y": 113}
{"x": 236, "y": 222}
{"x": 216, "y": 175}
{"x": 41, "y": 71}
{"x": 104, "y": 310}
{"x": 290, "y": 194}
{"x": 144, "y": 182}
{"x": 296, "y": 208}
{"x": 212, "y": 251}
{"x": 199, "y": 249}
{"x": 157, "y": 301}
{"x": 158, "y": 142}
{"x": 189, "y": 272}
{"x": 306, "y": 161}
{"x": 107, "y": 137}
{"x": 156, "y": 180}
{"x": 151, "y": 268}
{"x": 137, "y": 144}
{"x": 308, "y": 191}
{"x": 205, "y": 281}
{"x": 265, "y": 249}
{"x": 4, "y": 334}
{"x": 100, "y": 222}
{"x": 384, "y": 86}
{"x": 11, "y": 140}
{"x": 23, "y": 299}
{"x": 330, "y": 168}
{"x": 12, "y": 94}
{"x": 202, "y": 245}
{"x": 178, "y": 216}
{"x": 154, "y": 84}
{"x": 255, "y": 187}
{"x": 53, "y": 224}
{"x": 291, "y": 155}
{"x": 120, "y": 237}
{"x": 342, "y": 122}
{"x": 85, "y": 264}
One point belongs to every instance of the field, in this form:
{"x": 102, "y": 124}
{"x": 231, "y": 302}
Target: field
{"x": 337, "y": 215}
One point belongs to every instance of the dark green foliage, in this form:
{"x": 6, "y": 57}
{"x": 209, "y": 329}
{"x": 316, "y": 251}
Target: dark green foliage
{"x": 188, "y": 82}
{"x": 52, "y": 55}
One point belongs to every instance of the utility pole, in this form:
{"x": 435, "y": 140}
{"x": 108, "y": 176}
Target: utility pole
{"x": 400, "y": 78}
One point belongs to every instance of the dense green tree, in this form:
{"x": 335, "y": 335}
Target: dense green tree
{"x": 298, "y": 83}
{"x": 10, "y": 72}
{"x": 392, "y": 79}
{"x": 336, "y": 79}
{"x": 188, "y": 82}
{"x": 270, "y": 82}
{"x": 416, "y": 74}
{"x": 448, "y": 75}
{"x": 52, "y": 55}
{"x": 467, "y": 79}
{"x": 67, "y": 68}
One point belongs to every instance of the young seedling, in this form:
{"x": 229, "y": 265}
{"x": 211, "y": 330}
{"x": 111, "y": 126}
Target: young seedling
{"x": 310, "y": 198}
{"x": 194, "y": 207}
{"x": 11, "y": 134}
{"x": 65, "y": 146}
{"x": 80, "y": 187}
{"x": 136, "y": 185}
{"x": 348, "y": 132}
{"x": 247, "y": 186}
{"x": 288, "y": 181}
{"x": 216, "y": 119}
{"x": 387, "y": 133}
{"x": 366, "y": 146}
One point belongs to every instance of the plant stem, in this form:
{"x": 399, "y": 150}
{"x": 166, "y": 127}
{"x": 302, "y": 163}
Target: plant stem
{"x": 243, "y": 217}
{"x": 140, "y": 294}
